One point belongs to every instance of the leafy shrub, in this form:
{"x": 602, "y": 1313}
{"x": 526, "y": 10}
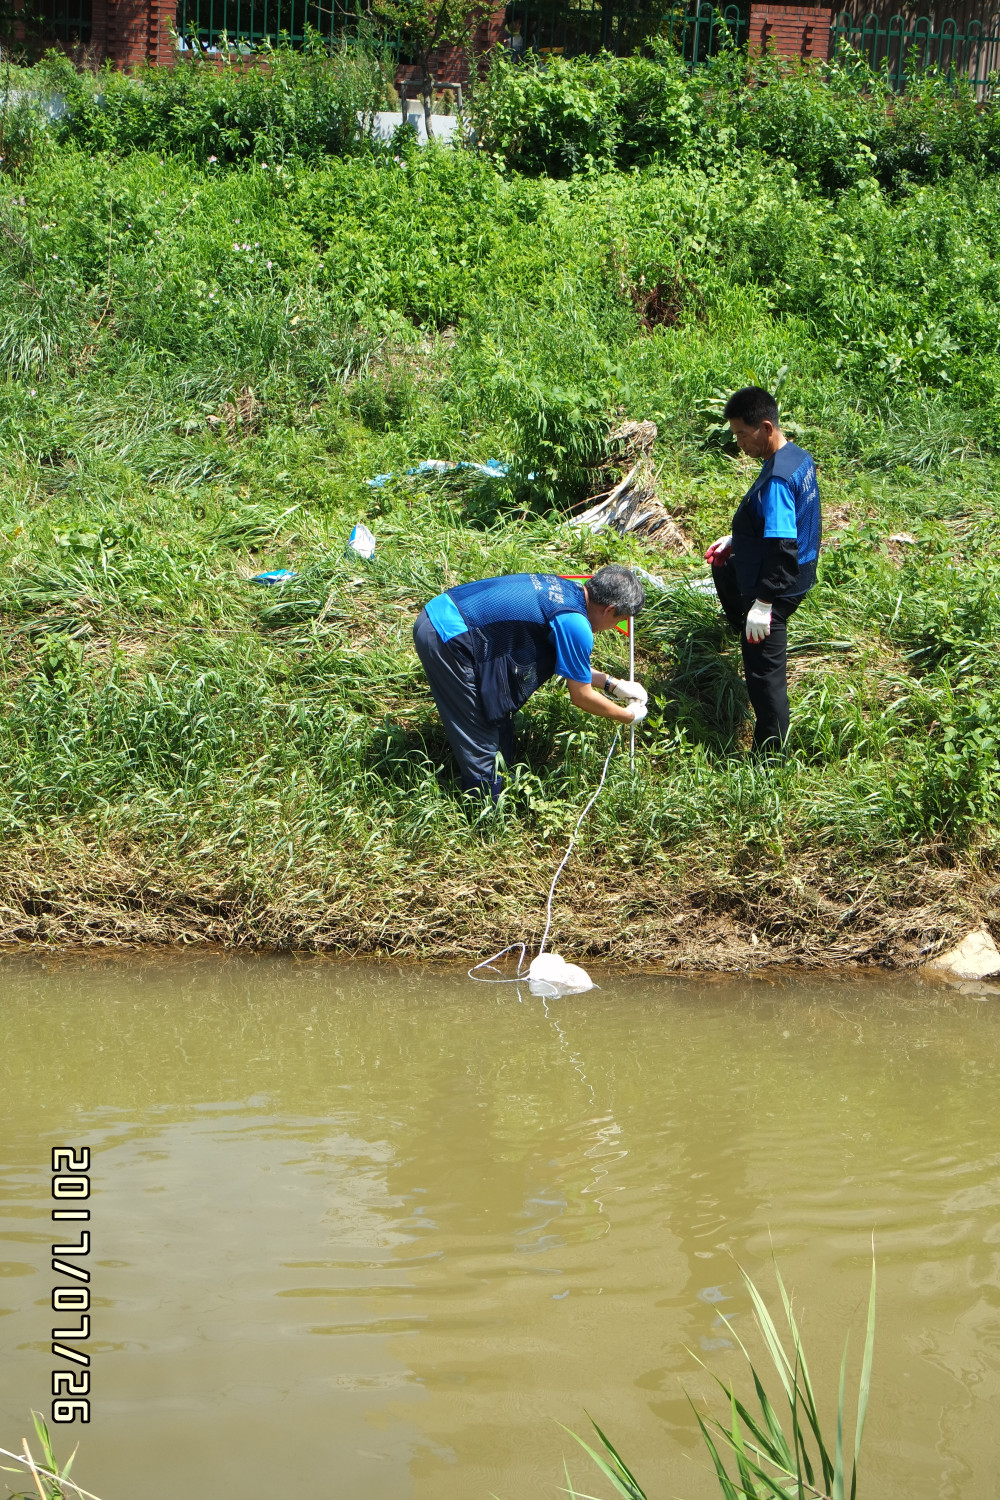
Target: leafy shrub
{"x": 821, "y": 118}
{"x": 659, "y": 108}
{"x": 838, "y": 123}
{"x": 557, "y": 119}
{"x": 23, "y": 121}
{"x": 300, "y": 104}
{"x": 946, "y": 785}
{"x": 586, "y": 115}
{"x": 935, "y": 128}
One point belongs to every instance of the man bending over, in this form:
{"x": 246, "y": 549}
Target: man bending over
{"x": 766, "y": 566}
{"x": 487, "y": 646}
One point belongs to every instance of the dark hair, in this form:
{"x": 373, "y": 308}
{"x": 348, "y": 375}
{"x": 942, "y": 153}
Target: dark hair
{"x": 752, "y": 406}
{"x": 618, "y": 586}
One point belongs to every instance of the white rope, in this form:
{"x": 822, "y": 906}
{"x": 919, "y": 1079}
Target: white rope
{"x": 487, "y": 963}
{"x": 631, "y": 678}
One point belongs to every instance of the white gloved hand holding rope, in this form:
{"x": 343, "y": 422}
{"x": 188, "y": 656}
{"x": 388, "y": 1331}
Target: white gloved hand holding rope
{"x": 627, "y": 692}
{"x": 639, "y": 712}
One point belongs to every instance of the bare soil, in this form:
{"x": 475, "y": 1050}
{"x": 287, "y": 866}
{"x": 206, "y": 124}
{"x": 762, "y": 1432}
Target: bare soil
{"x": 797, "y": 917}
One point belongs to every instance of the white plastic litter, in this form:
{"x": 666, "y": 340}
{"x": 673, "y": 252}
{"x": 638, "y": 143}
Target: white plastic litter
{"x": 549, "y": 974}
{"x": 361, "y": 541}
{"x": 668, "y": 585}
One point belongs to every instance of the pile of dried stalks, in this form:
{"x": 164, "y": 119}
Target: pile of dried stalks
{"x": 242, "y": 415}
{"x": 631, "y": 506}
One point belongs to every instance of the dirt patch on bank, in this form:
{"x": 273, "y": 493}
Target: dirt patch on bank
{"x": 795, "y": 918}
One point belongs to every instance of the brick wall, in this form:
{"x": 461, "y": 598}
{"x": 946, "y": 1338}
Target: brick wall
{"x": 791, "y": 30}
{"x": 127, "y": 31}
{"x": 451, "y": 64}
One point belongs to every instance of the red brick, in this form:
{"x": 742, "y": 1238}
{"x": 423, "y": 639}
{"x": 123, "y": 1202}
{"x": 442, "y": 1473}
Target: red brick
{"x": 791, "y": 30}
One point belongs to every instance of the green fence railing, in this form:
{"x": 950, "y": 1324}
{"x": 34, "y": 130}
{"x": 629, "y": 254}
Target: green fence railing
{"x": 905, "y": 45}
{"x": 540, "y": 27}
{"x": 588, "y": 26}
{"x": 246, "y": 24}
{"x": 65, "y": 21}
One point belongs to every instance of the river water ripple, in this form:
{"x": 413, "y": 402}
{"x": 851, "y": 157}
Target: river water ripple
{"x": 373, "y": 1233}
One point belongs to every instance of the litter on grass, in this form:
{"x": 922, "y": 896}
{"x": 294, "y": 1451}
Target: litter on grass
{"x": 277, "y": 575}
{"x": 493, "y": 468}
{"x": 361, "y": 541}
{"x": 668, "y": 585}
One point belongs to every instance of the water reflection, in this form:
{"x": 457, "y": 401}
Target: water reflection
{"x": 376, "y": 1232}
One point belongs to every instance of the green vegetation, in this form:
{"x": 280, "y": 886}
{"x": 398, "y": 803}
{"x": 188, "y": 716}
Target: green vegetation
{"x": 770, "y": 1462}
{"x": 838, "y": 124}
{"x": 50, "y": 1481}
{"x": 201, "y": 366}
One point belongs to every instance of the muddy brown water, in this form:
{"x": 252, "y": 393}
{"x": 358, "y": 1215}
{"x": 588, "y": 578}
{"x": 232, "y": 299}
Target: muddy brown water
{"x": 374, "y": 1233}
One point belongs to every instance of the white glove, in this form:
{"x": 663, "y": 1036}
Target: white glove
{"x": 719, "y": 551}
{"x": 758, "y": 622}
{"x": 639, "y": 712}
{"x": 629, "y": 692}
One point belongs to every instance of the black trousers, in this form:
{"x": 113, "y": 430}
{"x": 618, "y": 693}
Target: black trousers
{"x": 475, "y": 743}
{"x": 765, "y": 665}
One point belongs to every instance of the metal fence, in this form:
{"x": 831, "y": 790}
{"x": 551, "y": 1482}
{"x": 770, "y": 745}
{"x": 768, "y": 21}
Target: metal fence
{"x": 245, "y": 24}
{"x": 544, "y": 28}
{"x": 907, "y": 45}
{"x": 571, "y": 28}
{"x": 65, "y": 21}
{"x": 548, "y": 28}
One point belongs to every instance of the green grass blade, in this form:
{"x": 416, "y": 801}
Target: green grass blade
{"x": 43, "y": 1437}
{"x": 571, "y": 1492}
{"x": 866, "y": 1380}
{"x": 802, "y": 1462}
{"x": 774, "y": 1344}
{"x": 838, "y": 1461}
{"x": 866, "y": 1366}
{"x": 736, "y": 1443}
{"x": 773, "y": 1446}
{"x": 805, "y": 1382}
{"x": 803, "y": 1386}
{"x": 729, "y": 1490}
{"x": 772, "y": 1442}
{"x": 777, "y": 1436}
{"x": 801, "y": 1445}
{"x": 618, "y": 1461}
{"x": 617, "y": 1472}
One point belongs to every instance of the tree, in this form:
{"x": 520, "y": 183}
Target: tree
{"x": 423, "y": 27}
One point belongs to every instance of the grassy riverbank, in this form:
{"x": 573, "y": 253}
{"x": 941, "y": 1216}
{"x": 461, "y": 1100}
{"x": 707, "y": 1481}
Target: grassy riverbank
{"x": 201, "y": 368}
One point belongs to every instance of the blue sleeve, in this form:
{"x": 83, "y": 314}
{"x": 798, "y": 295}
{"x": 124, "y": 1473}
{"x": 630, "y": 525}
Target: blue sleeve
{"x": 574, "y": 643}
{"x": 778, "y": 505}
{"x": 444, "y": 616}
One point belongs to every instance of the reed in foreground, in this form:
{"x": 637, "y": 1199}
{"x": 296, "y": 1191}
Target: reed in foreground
{"x": 51, "y": 1482}
{"x": 773, "y": 1460}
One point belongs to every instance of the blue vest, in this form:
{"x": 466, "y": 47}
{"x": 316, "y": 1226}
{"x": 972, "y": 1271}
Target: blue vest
{"x": 795, "y": 466}
{"x": 508, "y": 620}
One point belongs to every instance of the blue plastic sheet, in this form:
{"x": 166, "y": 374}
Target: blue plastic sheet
{"x": 278, "y": 575}
{"x": 493, "y": 468}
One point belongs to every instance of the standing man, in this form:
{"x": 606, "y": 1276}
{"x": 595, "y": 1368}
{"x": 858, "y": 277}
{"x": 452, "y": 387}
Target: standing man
{"x": 487, "y": 646}
{"x": 766, "y": 566}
